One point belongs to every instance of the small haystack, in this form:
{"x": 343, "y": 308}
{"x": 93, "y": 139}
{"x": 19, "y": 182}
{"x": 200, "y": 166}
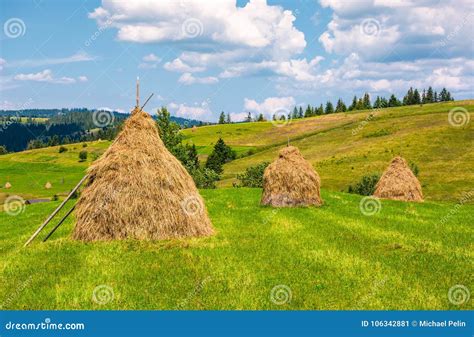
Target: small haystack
{"x": 291, "y": 181}
{"x": 7, "y": 185}
{"x": 48, "y": 185}
{"x": 399, "y": 183}
{"x": 139, "y": 190}
{"x": 194, "y": 128}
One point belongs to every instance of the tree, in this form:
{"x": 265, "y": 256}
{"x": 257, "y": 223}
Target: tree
{"x": 308, "y": 112}
{"x": 408, "y": 98}
{"x": 300, "y": 112}
{"x": 329, "y": 108}
{"x": 416, "y": 97}
{"x": 220, "y": 155}
{"x": 83, "y": 155}
{"x": 320, "y": 110}
{"x": 366, "y": 101}
{"x": 393, "y": 101}
{"x": 228, "y": 120}
{"x": 353, "y": 105}
{"x": 429, "y": 95}
{"x": 249, "y": 117}
{"x": 193, "y": 159}
{"x": 295, "y": 113}
{"x": 168, "y": 130}
{"x": 340, "y": 106}
{"x": 222, "y": 118}
{"x": 3, "y": 150}
{"x": 260, "y": 118}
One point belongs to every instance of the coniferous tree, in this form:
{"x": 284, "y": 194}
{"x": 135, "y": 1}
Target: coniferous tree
{"x": 300, "y": 112}
{"x": 249, "y": 117}
{"x": 295, "y": 113}
{"x": 393, "y": 101}
{"x": 340, "y": 106}
{"x": 366, "y": 101}
{"x": 320, "y": 110}
{"x": 353, "y": 104}
{"x": 228, "y": 120}
{"x": 260, "y": 118}
{"x": 429, "y": 95}
{"x": 329, "y": 108}
{"x": 435, "y": 97}
{"x": 220, "y": 155}
{"x": 308, "y": 112}
{"x": 416, "y": 97}
{"x": 222, "y": 118}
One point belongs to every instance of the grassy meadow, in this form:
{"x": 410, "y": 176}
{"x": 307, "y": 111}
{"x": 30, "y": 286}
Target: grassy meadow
{"x": 406, "y": 256}
{"x": 333, "y": 257}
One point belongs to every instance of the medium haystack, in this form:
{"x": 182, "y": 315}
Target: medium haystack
{"x": 48, "y": 185}
{"x": 291, "y": 181}
{"x": 139, "y": 190}
{"x": 399, "y": 183}
{"x": 8, "y": 185}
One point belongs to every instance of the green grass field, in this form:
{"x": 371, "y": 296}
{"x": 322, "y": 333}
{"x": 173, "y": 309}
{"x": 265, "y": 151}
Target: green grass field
{"x": 333, "y": 257}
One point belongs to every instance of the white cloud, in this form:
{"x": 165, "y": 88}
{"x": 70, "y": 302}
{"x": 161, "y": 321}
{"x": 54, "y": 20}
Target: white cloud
{"x": 150, "y": 61}
{"x": 270, "y": 106}
{"x": 383, "y": 29}
{"x": 200, "y": 111}
{"x": 47, "y": 76}
{"x": 179, "y": 66}
{"x": 188, "y": 78}
{"x": 2, "y": 63}
{"x": 151, "y": 58}
{"x": 238, "y": 116}
{"x": 77, "y": 57}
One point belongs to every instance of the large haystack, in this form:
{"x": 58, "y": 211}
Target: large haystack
{"x": 399, "y": 183}
{"x": 139, "y": 190}
{"x": 291, "y": 181}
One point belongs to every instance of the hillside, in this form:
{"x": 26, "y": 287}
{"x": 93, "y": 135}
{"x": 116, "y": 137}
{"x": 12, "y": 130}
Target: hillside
{"x": 342, "y": 147}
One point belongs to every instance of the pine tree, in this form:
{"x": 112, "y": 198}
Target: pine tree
{"x": 423, "y": 97}
{"x": 168, "y": 130}
{"x": 320, "y": 110}
{"x": 222, "y": 118}
{"x": 435, "y": 97}
{"x": 340, "y": 106}
{"x": 408, "y": 99}
{"x": 260, "y": 118}
{"x": 366, "y": 101}
{"x": 228, "y": 120}
{"x": 378, "y": 103}
{"x": 329, "y": 108}
{"x": 308, "y": 112}
{"x": 416, "y": 97}
{"x": 295, "y": 113}
{"x": 429, "y": 95}
{"x": 249, "y": 117}
{"x": 393, "y": 101}
{"x": 300, "y": 112}
{"x": 193, "y": 159}
{"x": 354, "y": 104}
{"x": 219, "y": 156}
{"x": 383, "y": 102}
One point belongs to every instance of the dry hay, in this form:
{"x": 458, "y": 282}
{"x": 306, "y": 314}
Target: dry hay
{"x": 48, "y": 185}
{"x": 194, "y": 128}
{"x": 139, "y": 190}
{"x": 399, "y": 183}
{"x": 7, "y": 185}
{"x": 291, "y": 181}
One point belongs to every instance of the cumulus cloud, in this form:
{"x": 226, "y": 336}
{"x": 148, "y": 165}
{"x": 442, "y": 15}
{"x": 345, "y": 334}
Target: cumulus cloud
{"x": 383, "y": 29}
{"x": 270, "y": 106}
{"x": 188, "y": 78}
{"x": 47, "y": 76}
{"x": 244, "y": 40}
{"x": 200, "y": 111}
{"x": 150, "y": 61}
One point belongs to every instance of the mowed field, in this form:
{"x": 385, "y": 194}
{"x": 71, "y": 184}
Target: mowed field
{"x": 406, "y": 256}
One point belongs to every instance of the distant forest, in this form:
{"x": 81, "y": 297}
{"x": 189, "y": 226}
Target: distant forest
{"x": 36, "y": 128}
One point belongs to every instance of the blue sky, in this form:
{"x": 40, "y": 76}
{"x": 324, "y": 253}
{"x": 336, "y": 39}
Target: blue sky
{"x": 204, "y": 57}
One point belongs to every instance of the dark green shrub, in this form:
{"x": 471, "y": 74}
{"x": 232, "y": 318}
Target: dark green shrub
{"x": 62, "y": 149}
{"x": 82, "y": 156}
{"x": 204, "y": 177}
{"x": 366, "y": 185}
{"x": 253, "y": 176}
{"x": 414, "y": 168}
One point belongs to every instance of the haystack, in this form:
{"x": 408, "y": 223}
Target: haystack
{"x": 139, "y": 190}
{"x": 8, "y": 185}
{"x": 291, "y": 181}
{"x": 48, "y": 185}
{"x": 399, "y": 183}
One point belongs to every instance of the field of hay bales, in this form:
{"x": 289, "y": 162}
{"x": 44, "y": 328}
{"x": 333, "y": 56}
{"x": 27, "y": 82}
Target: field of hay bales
{"x": 404, "y": 257}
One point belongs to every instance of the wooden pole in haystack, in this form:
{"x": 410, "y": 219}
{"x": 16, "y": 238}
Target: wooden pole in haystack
{"x": 59, "y": 223}
{"x": 40, "y": 228}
